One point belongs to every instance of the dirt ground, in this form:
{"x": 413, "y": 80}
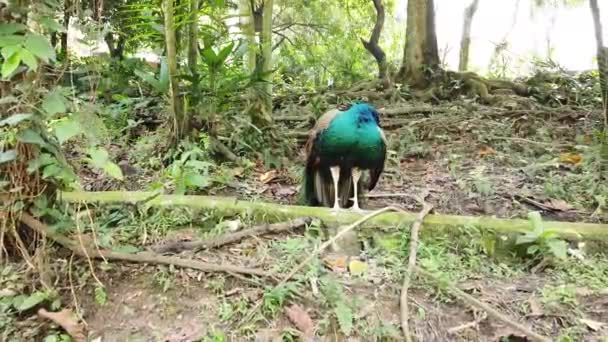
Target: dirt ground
{"x": 491, "y": 162}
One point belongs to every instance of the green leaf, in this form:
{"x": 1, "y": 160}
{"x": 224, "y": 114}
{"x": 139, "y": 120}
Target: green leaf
{"x": 99, "y": 157}
{"x": 345, "y": 317}
{"x": 194, "y": 179}
{"x": 559, "y": 248}
{"x": 31, "y": 301}
{"x": 113, "y": 170}
{"x": 527, "y": 238}
{"x": 29, "y": 136}
{"x": 224, "y": 53}
{"x": 533, "y": 249}
{"x": 148, "y": 78}
{"x": 163, "y": 77}
{"x": 54, "y": 103}
{"x": 11, "y": 40}
{"x": 6, "y": 29}
{"x": 14, "y": 119}
{"x": 51, "y": 24}
{"x": 10, "y": 65}
{"x": 209, "y": 56}
{"x": 8, "y": 156}
{"x": 40, "y": 46}
{"x": 28, "y": 59}
{"x": 9, "y": 50}
{"x": 537, "y": 221}
{"x": 66, "y": 129}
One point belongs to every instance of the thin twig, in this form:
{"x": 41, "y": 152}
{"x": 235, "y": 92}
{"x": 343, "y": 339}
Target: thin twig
{"x": 144, "y": 257}
{"x": 410, "y": 267}
{"x": 319, "y": 249}
{"x": 474, "y": 302}
{"x": 178, "y": 246}
{"x": 459, "y": 328}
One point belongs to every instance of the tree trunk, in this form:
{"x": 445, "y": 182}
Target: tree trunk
{"x": 116, "y": 49}
{"x": 266, "y": 48}
{"x": 372, "y": 45}
{"x": 193, "y": 36}
{"x": 602, "y": 57}
{"x": 179, "y": 120}
{"x": 66, "y": 24}
{"x": 248, "y": 30}
{"x": 420, "y": 43}
{"x": 465, "y": 41}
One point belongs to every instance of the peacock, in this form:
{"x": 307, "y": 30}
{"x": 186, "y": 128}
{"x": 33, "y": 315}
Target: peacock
{"x": 341, "y": 145}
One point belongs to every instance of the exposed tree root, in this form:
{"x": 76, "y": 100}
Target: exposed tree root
{"x": 143, "y": 257}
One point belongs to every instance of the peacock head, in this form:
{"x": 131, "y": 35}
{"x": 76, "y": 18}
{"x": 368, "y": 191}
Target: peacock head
{"x": 366, "y": 112}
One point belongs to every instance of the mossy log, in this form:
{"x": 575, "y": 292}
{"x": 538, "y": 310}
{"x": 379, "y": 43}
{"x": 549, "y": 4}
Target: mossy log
{"x": 435, "y": 222}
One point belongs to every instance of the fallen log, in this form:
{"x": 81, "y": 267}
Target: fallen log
{"x": 435, "y": 222}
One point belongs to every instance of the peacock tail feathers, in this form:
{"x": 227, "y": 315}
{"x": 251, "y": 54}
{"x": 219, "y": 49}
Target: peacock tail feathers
{"x": 346, "y": 138}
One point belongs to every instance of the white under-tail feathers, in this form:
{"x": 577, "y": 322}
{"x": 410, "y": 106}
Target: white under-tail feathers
{"x": 324, "y": 188}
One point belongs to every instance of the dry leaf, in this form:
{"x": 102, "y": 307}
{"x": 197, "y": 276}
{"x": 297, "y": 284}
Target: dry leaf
{"x": 266, "y": 177}
{"x": 337, "y": 263}
{"x": 301, "y": 320}
{"x": 535, "y": 309}
{"x": 66, "y": 320}
{"x": 486, "y": 150}
{"x": 570, "y": 158}
{"x": 558, "y": 204}
{"x": 238, "y": 171}
{"x": 357, "y": 267}
{"x": 591, "y": 324}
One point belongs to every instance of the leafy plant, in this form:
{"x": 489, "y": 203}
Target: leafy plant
{"x": 190, "y": 171}
{"x": 541, "y": 241}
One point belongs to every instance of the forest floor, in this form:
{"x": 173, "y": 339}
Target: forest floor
{"x": 472, "y": 159}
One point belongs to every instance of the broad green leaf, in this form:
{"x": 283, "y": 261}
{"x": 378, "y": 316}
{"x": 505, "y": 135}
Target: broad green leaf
{"x": 148, "y": 78}
{"x": 51, "y": 24}
{"x": 40, "y": 46}
{"x": 51, "y": 170}
{"x": 14, "y": 119}
{"x": 536, "y": 220}
{"x": 28, "y": 59}
{"x": 11, "y": 40}
{"x": 209, "y": 56}
{"x": 559, "y": 248}
{"x": 10, "y": 65}
{"x": 42, "y": 160}
{"x": 345, "y": 317}
{"x": 99, "y": 156}
{"x": 522, "y": 239}
{"x": 30, "y": 136}
{"x": 194, "y": 179}
{"x": 9, "y": 50}
{"x": 66, "y": 129}
{"x": 8, "y": 156}
{"x": 113, "y": 170}
{"x": 6, "y": 29}
{"x": 224, "y": 53}
{"x": 533, "y": 249}
{"x": 54, "y": 103}
{"x": 163, "y": 77}
{"x": 31, "y": 301}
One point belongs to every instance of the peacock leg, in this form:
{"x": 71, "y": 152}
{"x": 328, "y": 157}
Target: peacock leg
{"x": 335, "y": 175}
{"x": 356, "y": 175}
